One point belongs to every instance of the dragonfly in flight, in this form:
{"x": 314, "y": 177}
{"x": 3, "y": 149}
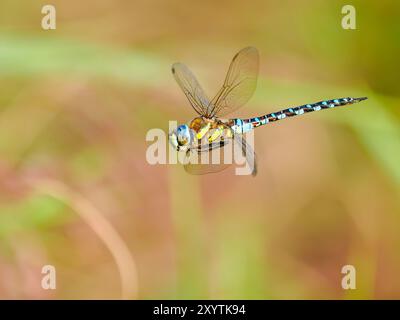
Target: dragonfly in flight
{"x": 209, "y": 131}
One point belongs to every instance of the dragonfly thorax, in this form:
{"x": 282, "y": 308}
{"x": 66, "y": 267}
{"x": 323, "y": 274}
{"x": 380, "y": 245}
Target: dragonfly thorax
{"x": 202, "y": 125}
{"x": 208, "y": 130}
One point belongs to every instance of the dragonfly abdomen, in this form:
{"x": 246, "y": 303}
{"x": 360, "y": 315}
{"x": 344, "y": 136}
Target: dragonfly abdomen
{"x": 246, "y": 125}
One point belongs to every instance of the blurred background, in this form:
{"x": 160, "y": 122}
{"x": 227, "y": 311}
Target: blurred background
{"x": 77, "y": 193}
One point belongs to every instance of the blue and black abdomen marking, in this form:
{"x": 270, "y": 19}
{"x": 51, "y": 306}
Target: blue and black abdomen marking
{"x": 245, "y": 125}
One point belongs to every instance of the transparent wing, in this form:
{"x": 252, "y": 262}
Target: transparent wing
{"x": 191, "y": 88}
{"x": 248, "y": 153}
{"x": 209, "y": 158}
{"x": 239, "y": 84}
{"x": 217, "y": 156}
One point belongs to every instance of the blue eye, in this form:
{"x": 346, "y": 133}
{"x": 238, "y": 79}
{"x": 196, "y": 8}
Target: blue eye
{"x": 182, "y": 128}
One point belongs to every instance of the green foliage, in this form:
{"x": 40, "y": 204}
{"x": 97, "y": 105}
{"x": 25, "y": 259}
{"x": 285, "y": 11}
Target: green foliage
{"x": 32, "y": 214}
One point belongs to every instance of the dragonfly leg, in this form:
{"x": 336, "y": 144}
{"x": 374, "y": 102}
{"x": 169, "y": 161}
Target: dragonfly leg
{"x": 215, "y": 135}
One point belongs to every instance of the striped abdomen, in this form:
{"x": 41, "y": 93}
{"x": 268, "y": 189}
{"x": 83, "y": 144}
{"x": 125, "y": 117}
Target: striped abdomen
{"x": 245, "y": 125}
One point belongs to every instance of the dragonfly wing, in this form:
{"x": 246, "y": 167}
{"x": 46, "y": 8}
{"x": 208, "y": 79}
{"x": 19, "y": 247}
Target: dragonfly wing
{"x": 210, "y": 158}
{"x": 200, "y": 169}
{"x": 239, "y": 84}
{"x": 216, "y": 157}
{"x": 248, "y": 152}
{"x": 191, "y": 88}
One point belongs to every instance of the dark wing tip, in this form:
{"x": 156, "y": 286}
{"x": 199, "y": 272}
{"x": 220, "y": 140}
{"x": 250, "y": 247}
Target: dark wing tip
{"x": 174, "y": 66}
{"x": 246, "y": 50}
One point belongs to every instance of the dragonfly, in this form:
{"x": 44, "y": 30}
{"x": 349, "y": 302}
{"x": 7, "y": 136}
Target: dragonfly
{"x": 211, "y": 132}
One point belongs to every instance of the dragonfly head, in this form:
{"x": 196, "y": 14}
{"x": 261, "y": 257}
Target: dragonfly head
{"x": 181, "y": 137}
